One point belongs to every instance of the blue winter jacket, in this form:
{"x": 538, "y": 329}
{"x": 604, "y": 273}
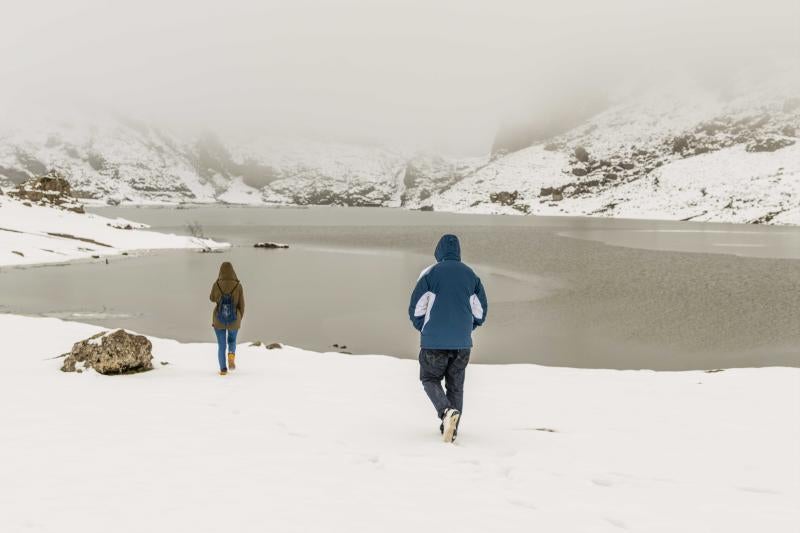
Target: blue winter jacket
{"x": 448, "y": 301}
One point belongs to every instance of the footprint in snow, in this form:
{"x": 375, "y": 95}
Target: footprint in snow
{"x": 522, "y": 503}
{"x": 757, "y": 490}
{"x": 617, "y": 523}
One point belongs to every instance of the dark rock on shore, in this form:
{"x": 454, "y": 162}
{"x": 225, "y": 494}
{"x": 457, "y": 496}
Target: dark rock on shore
{"x": 117, "y": 352}
{"x": 503, "y": 197}
{"x": 270, "y": 245}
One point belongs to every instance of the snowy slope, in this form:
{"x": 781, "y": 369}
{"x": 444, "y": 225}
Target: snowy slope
{"x": 295, "y": 441}
{"x": 31, "y": 234}
{"x": 660, "y": 155}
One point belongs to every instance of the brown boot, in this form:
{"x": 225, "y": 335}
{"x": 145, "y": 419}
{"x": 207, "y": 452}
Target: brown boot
{"x": 232, "y": 361}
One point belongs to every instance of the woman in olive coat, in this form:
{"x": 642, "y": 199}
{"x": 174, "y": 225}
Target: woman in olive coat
{"x": 228, "y": 297}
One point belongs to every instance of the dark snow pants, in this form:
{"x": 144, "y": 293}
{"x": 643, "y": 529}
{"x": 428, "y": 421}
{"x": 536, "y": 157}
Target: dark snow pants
{"x": 450, "y": 365}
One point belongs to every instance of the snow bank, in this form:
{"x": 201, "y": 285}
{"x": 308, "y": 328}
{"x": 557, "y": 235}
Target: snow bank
{"x": 37, "y": 234}
{"x": 301, "y": 441}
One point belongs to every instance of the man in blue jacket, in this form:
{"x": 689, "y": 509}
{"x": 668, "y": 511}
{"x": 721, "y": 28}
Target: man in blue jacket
{"x": 446, "y": 305}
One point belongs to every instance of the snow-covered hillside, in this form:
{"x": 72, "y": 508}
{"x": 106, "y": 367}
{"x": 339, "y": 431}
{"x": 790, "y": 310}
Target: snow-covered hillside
{"x": 665, "y": 155}
{"x": 32, "y": 234}
{"x": 671, "y": 153}
{"x": 300, "y": 441}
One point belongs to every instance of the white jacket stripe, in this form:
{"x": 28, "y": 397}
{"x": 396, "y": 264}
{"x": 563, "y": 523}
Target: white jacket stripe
{"x": 477, "y": 308}
{"x": 424, "y": 306}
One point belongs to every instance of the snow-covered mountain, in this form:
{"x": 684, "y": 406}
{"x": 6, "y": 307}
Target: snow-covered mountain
{"x": 661, "y": 155}
{"x": 118, "y": 160}
{"x": 670, "y": 153}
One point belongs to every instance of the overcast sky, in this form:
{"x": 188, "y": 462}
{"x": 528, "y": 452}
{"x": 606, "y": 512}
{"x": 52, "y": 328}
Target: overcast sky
{"x": 441, "y": 74}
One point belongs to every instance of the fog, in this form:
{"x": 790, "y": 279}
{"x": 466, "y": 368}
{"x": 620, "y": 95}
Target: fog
{"x": 437, "y": 74}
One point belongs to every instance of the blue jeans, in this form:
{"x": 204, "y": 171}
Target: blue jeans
{"x": 450, "y": 365}
{"x": 226, "y": 341}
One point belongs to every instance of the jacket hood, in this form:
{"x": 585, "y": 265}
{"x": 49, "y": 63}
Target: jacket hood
{"x": 226, "y": 272}
{"x": 448, "y": 249}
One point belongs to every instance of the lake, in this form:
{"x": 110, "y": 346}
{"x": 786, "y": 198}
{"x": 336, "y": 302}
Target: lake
{"x": 563, "y": 291}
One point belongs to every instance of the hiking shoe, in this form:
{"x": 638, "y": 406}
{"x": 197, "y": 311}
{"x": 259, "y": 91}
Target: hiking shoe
{"x": 223, "y": 372}
{"x": 232, "y": 361}
{"x": 450, "y": 424}
{"x": 455, "y": 433}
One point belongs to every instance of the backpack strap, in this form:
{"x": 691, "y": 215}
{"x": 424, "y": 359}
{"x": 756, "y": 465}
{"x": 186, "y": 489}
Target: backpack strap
{"x": 229, "y": 293}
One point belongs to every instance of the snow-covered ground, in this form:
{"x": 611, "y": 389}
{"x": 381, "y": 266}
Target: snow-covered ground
{"x": 36, "y": 234}
{"x": 301, "y": 441}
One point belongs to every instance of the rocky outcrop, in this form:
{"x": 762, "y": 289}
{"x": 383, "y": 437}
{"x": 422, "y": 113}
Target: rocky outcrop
{"x": 117, "y": 352}
{"x": 504, "y": 197}
{"x": 50, "y": 190}
{"x": 768, "y": 144}
{"x": 270, "y": 245}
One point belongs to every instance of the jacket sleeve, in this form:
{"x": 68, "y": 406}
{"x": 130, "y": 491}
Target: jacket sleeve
{"x": 418, "y": 307}
{"x": 240, "y": 305}
{"x": 479, "y": 305}
{"x": 214, "y": 297}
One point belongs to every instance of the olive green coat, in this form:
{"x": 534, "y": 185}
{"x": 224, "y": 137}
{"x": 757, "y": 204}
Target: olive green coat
{"x": 227, "y": 282}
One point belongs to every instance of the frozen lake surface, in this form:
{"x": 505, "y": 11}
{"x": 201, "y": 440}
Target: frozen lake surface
{"x": 563, "y": 291}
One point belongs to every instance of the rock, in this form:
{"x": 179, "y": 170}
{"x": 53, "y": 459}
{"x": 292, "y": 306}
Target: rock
{"x": 18, "y": 253}
{"x": 270, "y": 245}
{"x": 579, "y": 171}
{"x": 117, "y": 352}
{"x": 789, "y": 131}
{"x": 426, "y": 208}
{"x": 274, "y": 346}
{"x": 581, "y": 154}
{"x": 558, "y": 196}
{"x": 256, "y": 344}
{"x": 50, "y": 189}
{"x": 680, "y": 144}
{"x": 164, "y": 363}
{"x": 768, "y": 145}
{"x": 504, "y": 197}
{"x": 627, "y": 165}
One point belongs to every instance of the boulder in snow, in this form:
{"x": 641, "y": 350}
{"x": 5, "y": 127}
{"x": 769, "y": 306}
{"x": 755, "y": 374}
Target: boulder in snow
{"x": 504, "y": 197}
{"x": 579, "y": 171}
{"x": 117, "y": 352}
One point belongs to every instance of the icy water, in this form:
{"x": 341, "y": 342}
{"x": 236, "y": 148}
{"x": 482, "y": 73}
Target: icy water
{"x": 563, "y": 291}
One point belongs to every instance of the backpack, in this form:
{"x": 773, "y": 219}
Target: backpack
{"x": 226, "y": 311}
